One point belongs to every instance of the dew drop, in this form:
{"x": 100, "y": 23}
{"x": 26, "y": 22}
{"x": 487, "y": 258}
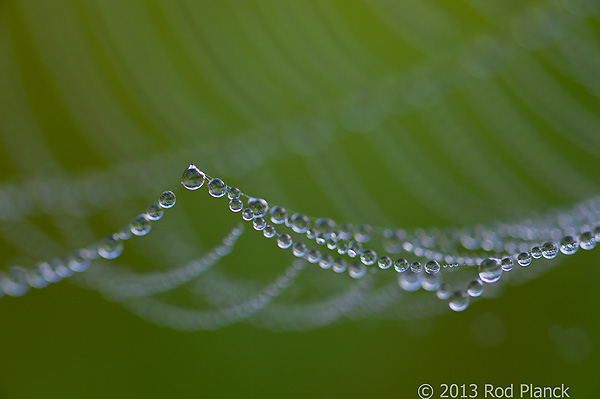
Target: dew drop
{"x": 401, "y": 265}
{"x": 236, "y": 205}
{"x": 299, "y": 223}
{"x": 475, "y": 288}
{"x": 326, "y": 261}
{"x": 587, "y": 241}
{"x": 339, "y": 265}
{"x": 507, "y": 264}
{"x": 342, "y": 247}
{"x": 193, "y": 178}
{"x": 299, "y": 249}
{"x": 258, "y": 206}
{"x": 597, "y": 233}
{"x": 432, "y": 267}
{"x": 409, "y": 281}
{"x": 354, "y": 248}
{"x": 78, "y": 263}
{"x": 459, "y": 301}
{"x": 311, "y": 234}
{"x": 259, "y": 224}
{"x": 110, "y": 247}
{"x": 416, "y": 267}
{"x": 536, "y": 252}
{"x": 430, "y": 282}
{"x": 284, "y": 241}
{"x": 549, "y": 250}
{"x": 331, "y": 244}
{"x": 357, "y": 270}
{"x": 443, "y": 292}
{"x": 490, "y": 270}
{"x": 269, "y": 231}
{"x": 569, "y": 245}
{"x": 313, "y": 256}
{"x": 368, "y": 257}
{"x": 524, "y": 259}
{"x": 278, "y": 215}
{"x": 140, "y": 225}
{"x": 320, "y": 238}
{"x": 167, "y": 199}
{"x": 385, "y": 262}
{"x": 154, "y": 212}
{"x": 233, "y": 192}
{"x": 217, "y": 187}
{"x": 362, "y": 233}
{"x": 324, "y": 226}
{"x": 247, "y": 214}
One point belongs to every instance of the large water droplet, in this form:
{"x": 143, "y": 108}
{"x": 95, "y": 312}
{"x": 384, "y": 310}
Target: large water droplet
{"x": 217, "y": 187}
{"x": 109, "y": 248}
{"x": 193, "y": 178}
{"x": 236, "y": 205}
{"x": 416, "y": 267}
{"x": 284, "y": 241}
{"x": 401, "y": 265}
{"x": 569, "y": 245}
{"x": 431, "y": 282}
{"x": 490, "y": 270}
{"x": 432, "y": 267}
{"x": 549, "y": 250}
{"x": 409, "y": 281}
{"x": 368, "y": 257}
{"x": 524, "y": 259}
{"x": 167, "y": 199}
{"x": 233, "y": 192}
{"x": 459, "y": 301}
{"x": 475, "y": 288}
{"x": 313, "y": 256}
{"x": 140, "y": 225}
{"x": 326, "y": 261}
{"x": 259, "y": 224}
{"x": 299, "y": 249}
{"x": 354, "y": 248}
{"x": 507, "y": 264}
{"x": 299, "y": 223}
{"x": 385, "y": 262}
{"x": 443, "y": 292}
{"x": 587, "y": 241}
{"x": 536, "y": 252}
{"x": 269, "y": 231}
{"x": 154, "y": 212}
{"x": 258, "y": 206}
{"x": 278, "y": 215}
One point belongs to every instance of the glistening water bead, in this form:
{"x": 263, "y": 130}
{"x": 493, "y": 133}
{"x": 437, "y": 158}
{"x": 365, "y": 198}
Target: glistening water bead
{"x": 432, "y": 267}
{"x": 569, "y": 245}
{"x": 236, "y": 205}
{"x": 490, "y": 270}
{"x": 587, "y": 241}
{"x": 357, "y": 270}
{"x": 278, "y": 215}
{"x": 110, "y": 247}
{"x": 401, "y": 265}
{"x": 368, "y": 257}
{"x": 154, "y": 212}
{"x": 217, "y": 187}
{"x": 459, "y": 301}
{"x": 258, "y": 206}
{"x": 475, "y": 288}
{"x": 284, "y": 241}
{"x": 167, "y": 199}
{"x": 524, "y": 259}
{"x": 233, "y": 192}
{"x": 385, "y": 262}
{"x": 299, "y": 223}
{"x": 549, "y": 250}
{"x": 193, "y": 178}
{"x": 140, "y": 225}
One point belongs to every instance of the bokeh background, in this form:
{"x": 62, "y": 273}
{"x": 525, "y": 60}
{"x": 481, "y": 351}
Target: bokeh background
{"x": 408, "y": 113}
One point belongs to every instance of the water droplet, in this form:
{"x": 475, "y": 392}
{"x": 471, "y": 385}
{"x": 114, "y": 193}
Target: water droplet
{"x": 311, "y": 234}
{"x": 233, "y": 192}
{"x": 401, "y": 265}
{"x": 78, "y": 263}
{"x": 269, "y": 231}
{"x": 354, "y": 248}
{"x": 431, "y": 282}
{"x": 247, "y": 214}
{"x": 409, "y": 281}
{"x": 167, "y": 199}
{"x": 475, "y": 288}
{"x": 357, "y": 270}
{"x": 193, "y": 178}
{"x": 284, "y": 241}
{"x": 507, "y": 264}
{"x": 140, "y": 225}
{"x": 536, "y": 252}
{"x": 299, "y": 223}
{"x": 443, "y": 292}
{"x": 326, "y": 261}
{"x": 217, "y": 187}
{"x": 259, "y": 224}
{"x": 320, "y": 238}
{"x": 524, "y": 259}
{"x": 368, "y": 257}
{"x": 342, "y": 247}
{"x": 362, "y": 233}
{"x": 258, "y": 206}
{"x": 569, "y": 245}
{"x": 339, "y": 265}
{"x": 331, "y": 244}
{"x": 432, "y": 267}
{"x": 416, "y": 267}
{"x": 385, "y": 262}
{"x": 109, "y": 247}
{"x": 278, "y": 215}
{"x": 324, "y": 226}
{"x": 313, "y": 256}
{"x": 490, "y": 270}
{"x": 345, "y": 231}
{"x": 549, "y": 250}
{"x": 459, "y": 301}
{"x": 124, "y": 233}
{"x": 587, "y": 241}
{"x": 299, "y": 249}
{"x": 236, "y": 205}
{"x": 597, "y": 233}
{"x": 154, "y": 212}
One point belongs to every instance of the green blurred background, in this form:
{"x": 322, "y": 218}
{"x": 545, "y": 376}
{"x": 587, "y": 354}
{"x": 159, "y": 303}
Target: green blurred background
{"x": 405, "y": 113}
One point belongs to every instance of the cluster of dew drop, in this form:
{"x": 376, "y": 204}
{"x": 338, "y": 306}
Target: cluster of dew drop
{"x": 348, "y": 241}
